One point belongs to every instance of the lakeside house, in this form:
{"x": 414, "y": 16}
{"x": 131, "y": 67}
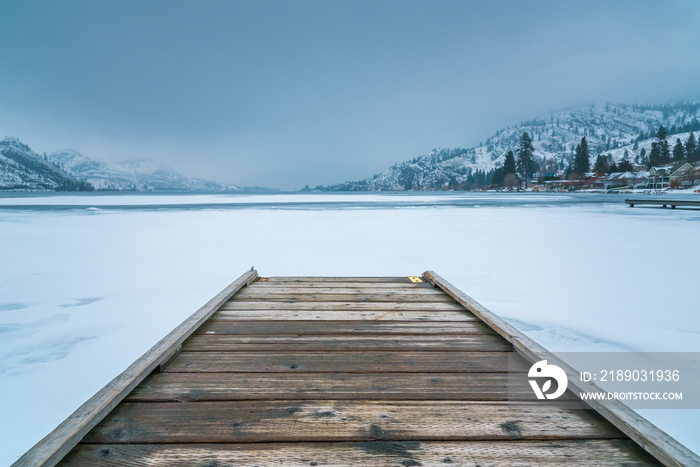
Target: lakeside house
{"x": 624, "y": 179}
{"x": 685, "y": 176}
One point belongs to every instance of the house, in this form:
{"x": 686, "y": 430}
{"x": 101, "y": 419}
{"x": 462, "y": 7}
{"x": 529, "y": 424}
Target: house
{"x": 624, "y": 179}
{"x": 659, "y": 177}
{"x": 686, "y": 175}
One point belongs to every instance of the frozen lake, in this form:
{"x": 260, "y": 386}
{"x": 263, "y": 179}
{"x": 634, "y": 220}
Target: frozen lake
{"x": 90, "y": 282}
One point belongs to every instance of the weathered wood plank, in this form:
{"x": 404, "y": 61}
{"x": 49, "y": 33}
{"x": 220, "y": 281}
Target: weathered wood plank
{"x": 377, "y": 306}
{"x": 316, "y": 327}
{"x": 333, "y": 362}
{"x": 187, "y": 387}
{"x": 258, "y": 295}
{"x": 60, "y": 441}
{"x": 347, "y": 289}
{"x": 656, "y": 442}
{"x": 604, "y": 453}
{"x": 289, "y": 421}
{"x": 307, "y": 279}
{"x": 343, "y": 315}
{"x": 282, "y": 342}
{"x": 360, "y": 285}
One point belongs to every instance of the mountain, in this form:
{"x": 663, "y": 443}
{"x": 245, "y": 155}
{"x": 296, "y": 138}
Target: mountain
{"x": 21, "y": 169}
{"x": 609, "y": 129}
{"x": 131, "y": 175}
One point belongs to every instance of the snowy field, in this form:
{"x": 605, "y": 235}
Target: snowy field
{"x": 90, "y": 282}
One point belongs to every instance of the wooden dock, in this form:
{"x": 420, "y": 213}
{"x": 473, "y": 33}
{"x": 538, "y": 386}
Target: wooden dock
{"x": 344, "y": 371}
{"x": 672, "y": 203}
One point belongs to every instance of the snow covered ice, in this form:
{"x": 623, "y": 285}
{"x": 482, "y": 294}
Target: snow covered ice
{"x": 90, "y": 282}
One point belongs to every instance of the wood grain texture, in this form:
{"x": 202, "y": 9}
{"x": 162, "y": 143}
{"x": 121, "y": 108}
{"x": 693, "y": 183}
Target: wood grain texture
{"x": 332, "y": 362}
{"x": 290, "y": 421}
{"x": 605, "y": 453}
{"x": 60, "y": 441}
{"x": 188, "y": 387}
{"x": 316, "y": 279}
{"x": 392, "y": 297}
{"x": 332, "y": 343}
{"x": 362, "y": 285}
{"x": 316, "y": 327}
{"x": 339, "y": 306}
{"x": 348, "y": 290}
{"x": 342, "y": 315}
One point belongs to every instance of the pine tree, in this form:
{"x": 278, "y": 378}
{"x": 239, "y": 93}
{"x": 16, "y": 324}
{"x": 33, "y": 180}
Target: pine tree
{"x": 665, "y": 152}
{"x": 614, "y": 168}
{"x": 582, "y": 162}
{"x": 661, "y": 134}
{"x": 655, "y": 155}
{"x": 509, "y": 164}
{"x": 525, "y": 156}
{"x": 678, "y": 151}
{"x": 691, "y": 148}
{"x": 601, "y": 165}
{"x": 664, "y": 149}
{"x": 625, "y": 166}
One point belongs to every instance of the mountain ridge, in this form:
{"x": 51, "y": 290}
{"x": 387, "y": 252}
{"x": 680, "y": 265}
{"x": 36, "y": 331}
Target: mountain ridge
{"x": 22, "y": 169}
{"x": 610, "y": 129}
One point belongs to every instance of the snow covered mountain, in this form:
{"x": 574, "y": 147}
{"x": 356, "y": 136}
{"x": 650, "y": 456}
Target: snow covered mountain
{"x": 135, "y": 175}
{"x": 21, "y": 169}
{"x": 609, "y": 129}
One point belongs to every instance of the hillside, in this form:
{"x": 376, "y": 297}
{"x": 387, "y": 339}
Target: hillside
{"x": 131, "y": 175}
{"x": 21, "y": 169}
{"x": 609, "y": 129}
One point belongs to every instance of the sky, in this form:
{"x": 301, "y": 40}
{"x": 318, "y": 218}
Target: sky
{"x": 284, "y": 94}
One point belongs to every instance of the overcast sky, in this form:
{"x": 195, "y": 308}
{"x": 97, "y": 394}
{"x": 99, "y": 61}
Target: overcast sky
{"x": 285, "y": 93}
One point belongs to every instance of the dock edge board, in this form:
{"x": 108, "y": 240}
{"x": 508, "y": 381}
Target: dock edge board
{"x": 54, "y": 446}
{"x": 656, "y": 442}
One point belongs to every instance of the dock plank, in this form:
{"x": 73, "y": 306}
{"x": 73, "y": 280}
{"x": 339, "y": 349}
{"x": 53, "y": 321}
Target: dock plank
{"x": 316, "y": 327}
{"x": 257, "y": 294}
{"x": 283, "y": 342}
{"x": 354, "y": 306}
{"x": 362, "y": 285}
{"x": 332, "y": 362}
{"x": 551, "y": 453}
{"x": 342, "y": 315}
{"x": 291, "y": 421}
{"x": 409, "y": 290}
{"x": 351, "y": 279}
{"x": 190, "y": 387}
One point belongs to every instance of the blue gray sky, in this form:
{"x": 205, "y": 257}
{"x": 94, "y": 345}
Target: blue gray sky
{"x": 288, "y": 93}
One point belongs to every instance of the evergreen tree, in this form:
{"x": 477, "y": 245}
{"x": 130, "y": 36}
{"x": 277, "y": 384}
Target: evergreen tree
{"x": 691, "y": 148}
{"x": 665, "y": 152}
{"x": 509, "y": 164}
{"x": 678, "y": 151}
{"x": 664, "y": 156}
{"x": 601, "y": 165}
{"x": 614, "y": 168}
{"x": 582, "y": 162}
{"x": 525, "y": 156}
{"x": 643, "y": 156}
{"x": 661, "y": 134}
{"x": 655, "y": 155}
{"x": 625, "y": 166}
{"x": 498, "y": 176}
